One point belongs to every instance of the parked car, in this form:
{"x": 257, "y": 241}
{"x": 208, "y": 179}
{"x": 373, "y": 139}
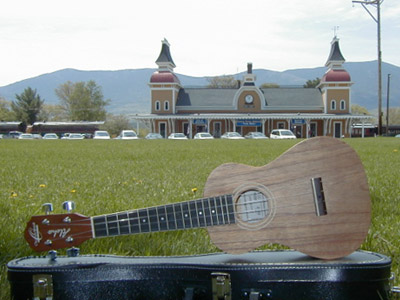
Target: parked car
{"x": 50, "y": 136}
{"x": 282, "y": 134}
{"x": 255, "y": 135}
{"x": 75, "y": 136}
{"x": 397, "y": 135}
{"x": 37, "y": 136}
{"x": 232, "y": 136}
{"x": 177, "y": 136}
{"x": 14, "y": 134}
{"x": 203, "y": 136}
{"x": 153, "y": 136}
{"x": 127, "y": 135}
{"x": 101, "y": 135}
{"x": 65, "y": 136}
{"x": 25, "y": 136}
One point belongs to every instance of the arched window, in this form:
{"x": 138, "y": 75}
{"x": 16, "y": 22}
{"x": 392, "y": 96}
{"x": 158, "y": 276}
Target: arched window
{"x": 166, "y": 105}
{"x": 333, "y": 105}
{"x": 342, "y": 104}
{"x": 157, "y": 105}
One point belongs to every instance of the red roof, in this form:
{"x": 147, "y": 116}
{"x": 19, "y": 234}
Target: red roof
{"x": 336, "y": 75}
{"x": 161, "y": 77}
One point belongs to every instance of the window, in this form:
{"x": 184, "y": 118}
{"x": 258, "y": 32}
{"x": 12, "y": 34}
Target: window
{"x": 281, "y": 125}
{"x": 342, "y": 104}
{"x": 157, "y": 105}
{"x": 333, "y": 105}
{"x": 166, "y": 105}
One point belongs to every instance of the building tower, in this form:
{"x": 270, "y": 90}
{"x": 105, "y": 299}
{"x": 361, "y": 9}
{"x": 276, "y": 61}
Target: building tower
{"x": 335, "y": 87}
{"x": 164, "y": 84}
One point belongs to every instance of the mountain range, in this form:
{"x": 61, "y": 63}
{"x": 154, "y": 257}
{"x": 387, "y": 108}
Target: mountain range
{"x": 129, "y": 92}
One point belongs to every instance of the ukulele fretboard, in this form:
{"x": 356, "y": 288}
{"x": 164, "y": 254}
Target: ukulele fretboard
{"x": 204, "y": 212}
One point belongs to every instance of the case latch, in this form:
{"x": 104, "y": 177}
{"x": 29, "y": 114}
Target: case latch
{"x": 42, "y": 287}
{"x": 394, "y": 290}
{"x": 221, "y": 286}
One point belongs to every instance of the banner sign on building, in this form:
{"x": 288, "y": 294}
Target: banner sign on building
{"x": 256, "y": 123}
{"x": 298, "y": 121}
{"x": 200, "y": 122}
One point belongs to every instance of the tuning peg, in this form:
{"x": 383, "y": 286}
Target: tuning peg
{"x": 73, "y": 252}
{"x": 68, "y": 205}
{"x": 52, "y": 255}
{"x": 47, "y": 208}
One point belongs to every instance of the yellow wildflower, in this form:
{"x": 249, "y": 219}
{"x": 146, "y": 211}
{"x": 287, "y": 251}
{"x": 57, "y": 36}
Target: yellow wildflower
{"x": 194, "y": 190}
{"x": 73, "y": 191}
{"x": 42, "y": 185}
{"x": 395, "y": 150}
{"x": 14, "y": 194}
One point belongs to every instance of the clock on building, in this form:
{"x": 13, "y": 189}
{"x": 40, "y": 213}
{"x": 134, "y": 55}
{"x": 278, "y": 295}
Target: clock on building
{"x": 248, "y": 99}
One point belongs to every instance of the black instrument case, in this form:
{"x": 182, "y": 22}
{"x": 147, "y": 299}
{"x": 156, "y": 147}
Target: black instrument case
{"x": 278, "y": 275}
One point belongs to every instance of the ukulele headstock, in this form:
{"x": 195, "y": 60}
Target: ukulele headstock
{"x": 51, "y": 232}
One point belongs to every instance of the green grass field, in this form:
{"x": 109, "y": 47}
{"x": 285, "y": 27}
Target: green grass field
{"x": 110, "y": 176}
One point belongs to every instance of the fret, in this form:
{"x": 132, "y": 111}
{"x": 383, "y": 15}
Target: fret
{"x": 171, "y": 217}
{"x": 194, "y": 216}
{"x": 200, "y": 213}
{"x": 112, "y": 225}
{"x": 144, "y": 220}
{"x": 220, "y": 215}
{"x": 162, "y": 218}
{"x": 186, "y": 215}
{"x": 207, "y": 212}
{"x": 123, "y": 223}
{"x": 180, "y": 224}
{"x": 153, "y": 219}
{"x": 231, "y": 210}
{"x": 213, "y": 210}
{"x": 134, "y": 222}
{"x": 100, "y": 228}
{"x": 224, "y": 210}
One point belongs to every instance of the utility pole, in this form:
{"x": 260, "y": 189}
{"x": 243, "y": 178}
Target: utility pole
{"x": 377, "y": 19}
{"x": 387, "y": 104}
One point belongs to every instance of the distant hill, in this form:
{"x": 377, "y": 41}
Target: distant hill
{"x": 129, "y": 92}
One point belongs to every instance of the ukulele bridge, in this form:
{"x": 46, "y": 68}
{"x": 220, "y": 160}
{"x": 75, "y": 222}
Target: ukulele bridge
{"x": 319, "y": 196}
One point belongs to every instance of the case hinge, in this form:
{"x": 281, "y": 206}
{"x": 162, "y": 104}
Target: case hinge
{"x": 42, "y": 287}
{"x": 221, "y": 286}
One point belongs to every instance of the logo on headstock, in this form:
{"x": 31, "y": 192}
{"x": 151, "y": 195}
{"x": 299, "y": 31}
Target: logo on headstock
{"x": 35, "y": 233}
{"x": 61, "y": 233}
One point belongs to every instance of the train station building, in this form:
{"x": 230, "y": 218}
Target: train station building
{"x": 321, "y": 111}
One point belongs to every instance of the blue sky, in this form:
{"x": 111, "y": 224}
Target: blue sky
{"x": 208, "y": 38}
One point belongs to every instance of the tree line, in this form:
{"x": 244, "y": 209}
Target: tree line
{"x": 79, "y": 101}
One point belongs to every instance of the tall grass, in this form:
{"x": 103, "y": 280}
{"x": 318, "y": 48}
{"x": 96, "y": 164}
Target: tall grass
{"x": 109, "y": 176}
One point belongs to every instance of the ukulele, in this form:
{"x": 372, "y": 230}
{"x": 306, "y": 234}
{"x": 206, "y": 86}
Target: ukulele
{"x": 313, "y": 198}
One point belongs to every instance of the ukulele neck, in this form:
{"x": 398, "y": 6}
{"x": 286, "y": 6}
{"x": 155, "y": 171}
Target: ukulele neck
{"x": 205, "y": 212}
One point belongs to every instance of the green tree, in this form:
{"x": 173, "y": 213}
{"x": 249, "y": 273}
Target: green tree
{"x": 361, "y": 110}
{"x": 82, "y": 101}
{"x": 269, "y": 85}
{"x": 52, "y": 112}
{"x": 5, "y": 113}
{"x": 27, "y": 106}
{"x": 312, "y": 83}
{"x": 115, "y": 124}
{"x": 222, "y": 82}
{"x": 394, "y": 116}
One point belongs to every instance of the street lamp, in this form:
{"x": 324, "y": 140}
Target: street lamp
{"x": 377, "y": 19}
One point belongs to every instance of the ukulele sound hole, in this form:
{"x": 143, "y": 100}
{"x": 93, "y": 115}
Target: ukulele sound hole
{"x": 252, "y": 206}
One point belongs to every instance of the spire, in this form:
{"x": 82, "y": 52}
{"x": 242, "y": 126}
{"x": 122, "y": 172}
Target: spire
{"x": 335, "y": 59}
{"x": 164, "y": 60}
